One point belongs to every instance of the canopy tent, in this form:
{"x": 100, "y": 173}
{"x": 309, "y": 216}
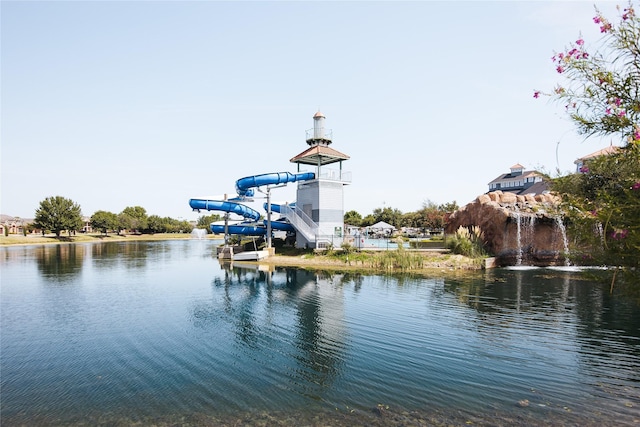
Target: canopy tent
{"x": 382, "y": 226}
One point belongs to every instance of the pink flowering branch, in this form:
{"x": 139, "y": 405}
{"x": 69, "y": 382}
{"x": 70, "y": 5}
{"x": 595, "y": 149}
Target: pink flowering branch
{"x": 601, "y": 89}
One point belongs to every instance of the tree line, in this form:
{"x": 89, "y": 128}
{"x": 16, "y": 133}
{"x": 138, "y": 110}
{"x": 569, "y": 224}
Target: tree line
{"x": 57, "y": 214}
{"x": 430, "y": 216}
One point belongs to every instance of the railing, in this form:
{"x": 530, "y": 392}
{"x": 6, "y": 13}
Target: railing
{"x": 325, "y": 241}
{"x": 331, "y": 174}
{"x": 334, "y": 175}
{"x": 308, "y": 227}
{"x": 327, "y": 134}
{"x": 300, "y": 221}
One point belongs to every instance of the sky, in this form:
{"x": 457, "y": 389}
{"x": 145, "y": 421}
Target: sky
{"x": 117, "y": 104}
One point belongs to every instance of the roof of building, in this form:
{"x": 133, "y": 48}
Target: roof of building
{"x": 605, "y": 151}
{"x": 319, "y": 155}
{"x": 537, "y": 188}
{"x": 517, "y": 166}
{"x": 510, "y": 175}
{"x": 5, "y": 218}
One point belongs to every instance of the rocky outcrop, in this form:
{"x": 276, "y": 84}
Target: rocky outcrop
{"x": 517, "y": 229}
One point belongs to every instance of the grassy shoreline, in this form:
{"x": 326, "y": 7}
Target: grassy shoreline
{"x": 32, "y": 239}
{"x": 430, "y": 261}
{"x": 430, "y": 264}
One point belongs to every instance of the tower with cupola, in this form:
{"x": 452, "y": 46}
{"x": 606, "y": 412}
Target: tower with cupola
{"x": 320, "y": 202}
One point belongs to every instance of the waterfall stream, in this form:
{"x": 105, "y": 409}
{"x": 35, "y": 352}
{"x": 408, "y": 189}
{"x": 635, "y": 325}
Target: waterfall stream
{"x": 565, "y": 241}
{"x": 518, "y": 216}
{"x": 525, "y": 224}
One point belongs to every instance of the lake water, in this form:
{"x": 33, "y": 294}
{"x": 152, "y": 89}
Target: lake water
{"x": 161, "y": 333}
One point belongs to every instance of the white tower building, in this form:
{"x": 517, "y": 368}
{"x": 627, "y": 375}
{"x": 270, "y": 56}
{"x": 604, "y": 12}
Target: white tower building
{"x": 320, "y": 202}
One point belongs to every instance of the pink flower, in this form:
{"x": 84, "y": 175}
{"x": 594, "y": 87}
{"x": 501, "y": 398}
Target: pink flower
{"x": 618, "y": 101}
{"x": 636, "y": 186}
{"x": 607, "y": 111}
{"x": 619, "y": 234}
{"x": 622, "y": 113}
{"x": 579, "y": 42}
{"x": 596, "y": 19}
{"x": 636, "y": 134}
{"x": 584, "y": 169}
{"x": 560, "y": 69}
{"x": 536, "y": 94}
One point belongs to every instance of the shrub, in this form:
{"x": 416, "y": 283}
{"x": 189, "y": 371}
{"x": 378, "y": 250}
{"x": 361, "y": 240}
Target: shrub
{"x": 467, "y": 242}
{"x": 347, "y": 248}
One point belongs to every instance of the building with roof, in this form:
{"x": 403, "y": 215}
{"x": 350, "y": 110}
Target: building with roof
{"x": 12, "y": 225}
{"x": 581, "y": 162}
{"x": 320, "y": 202}
{"x": 519, "y": 181}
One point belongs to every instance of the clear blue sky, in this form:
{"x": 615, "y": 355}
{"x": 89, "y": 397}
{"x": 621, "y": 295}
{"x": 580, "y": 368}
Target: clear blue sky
{"x": 116, "y": 104}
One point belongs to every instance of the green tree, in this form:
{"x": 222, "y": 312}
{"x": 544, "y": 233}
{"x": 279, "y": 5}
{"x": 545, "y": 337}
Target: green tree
{"x": 204, "y": 221}
{"x": 368, "y": 221}
{"x": 156, "y": 224}
{"x": 133, "y": 218}
{"x": 430, "y": 217}
{"x": 177, "y": 226}
{"x": 125, "y": 222}
{"x": 58, "y": 214}
{"x": 104, "y": 221}
{"x": 449, "y": 207}
{"x": 602, "y": 205}
{"x": 411, "y": 219}
{"x": 601, "y": 94}
{"x": 388, "y": 215}
{"x": 353, "y": 218}
{"x": 183, "y": 226}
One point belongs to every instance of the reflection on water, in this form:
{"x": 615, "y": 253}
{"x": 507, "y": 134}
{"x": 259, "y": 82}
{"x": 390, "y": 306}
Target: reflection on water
{"x": 60, "y": 263}
{"x": 161, "y": 332}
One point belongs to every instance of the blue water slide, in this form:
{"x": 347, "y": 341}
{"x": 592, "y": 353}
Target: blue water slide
{"x": 280, "y": 225}
{"x": 225, "y": 206}
{"x": 244, "y": 185}
{"x": 247, "y": 229}
{"x": 244, "y": 229}
{"x": 277, "y": 208}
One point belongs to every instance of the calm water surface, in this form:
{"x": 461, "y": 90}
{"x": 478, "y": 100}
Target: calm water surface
{"x": 161, "y": 333}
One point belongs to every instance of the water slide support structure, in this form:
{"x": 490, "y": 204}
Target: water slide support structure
{"x": 268, "y": 193}
{"x": 244, "y": 188}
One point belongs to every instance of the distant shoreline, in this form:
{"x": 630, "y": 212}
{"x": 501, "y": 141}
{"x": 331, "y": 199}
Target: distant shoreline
{"x": 32, "y": 239}
{"x": 435, "y": 262}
